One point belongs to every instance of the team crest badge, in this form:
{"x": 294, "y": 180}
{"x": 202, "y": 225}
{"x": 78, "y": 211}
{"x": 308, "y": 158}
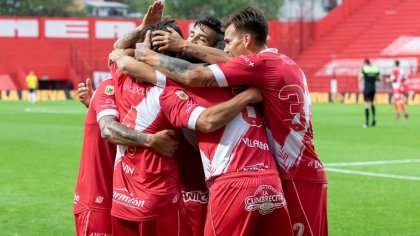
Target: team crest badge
{"x": 109, "y": 90}
{"x": 182, "y": 95}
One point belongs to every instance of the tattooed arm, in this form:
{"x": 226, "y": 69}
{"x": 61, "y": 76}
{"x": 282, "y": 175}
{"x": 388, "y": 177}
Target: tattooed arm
{"x": 162, "y": 142}
{"x": 179, "y": 70}
{"x": 153, "y": 14}
{"x": 172, "y": 41}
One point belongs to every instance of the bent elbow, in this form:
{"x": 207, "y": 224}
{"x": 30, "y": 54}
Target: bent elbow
{"x": 207, "y": 126}
{"x": 191, "y": 78}
{"x": 105, "y": 133}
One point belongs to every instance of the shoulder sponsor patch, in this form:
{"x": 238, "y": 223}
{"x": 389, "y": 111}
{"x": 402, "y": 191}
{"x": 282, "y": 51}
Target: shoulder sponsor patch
{"x": 109, "y": 90}
{"x": 182, "y": 95}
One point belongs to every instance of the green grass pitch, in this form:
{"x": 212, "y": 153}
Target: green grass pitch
{"x": 40, "y": 149}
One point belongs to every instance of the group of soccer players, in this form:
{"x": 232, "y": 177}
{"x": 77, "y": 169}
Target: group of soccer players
{"x": 194, "y": 155}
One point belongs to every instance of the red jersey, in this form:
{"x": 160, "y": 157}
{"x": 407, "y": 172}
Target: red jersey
{"x": 287, "y": 109}
{"x": 397, "y": 80}
{"x": 144, "y": 182}
{"x": 240, "y": 146}
{"x": 94, "y": 182}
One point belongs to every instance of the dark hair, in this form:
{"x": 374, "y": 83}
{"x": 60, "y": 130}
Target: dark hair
{"x": 161, "y": 25}
{"x": 249, "y": 20}
{"x": 214, "y": 24}
{"x": 366, "y": 61}
{"x": 211, "y": 22}
{"x": 397, "y": 63}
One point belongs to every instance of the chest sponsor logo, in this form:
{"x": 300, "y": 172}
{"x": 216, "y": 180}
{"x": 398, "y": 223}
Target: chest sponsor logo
{"x": 109, "y": 90}
{"x": 99, "y": 199}
{"x": 265, "y": 199}
{"x": 255, "y": 143}
{"x": 182, "y": 95}
{"x": 132, "y": 89}
{"x": 195, "y": 196}
{"x": 123, "y": 197}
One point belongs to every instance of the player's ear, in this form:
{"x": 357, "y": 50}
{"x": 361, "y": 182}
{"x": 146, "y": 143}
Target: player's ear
{"x": 247, "y": 40}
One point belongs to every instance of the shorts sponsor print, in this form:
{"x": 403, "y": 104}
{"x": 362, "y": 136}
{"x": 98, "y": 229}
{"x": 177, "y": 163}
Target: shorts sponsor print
{"x": 265, "y": 199}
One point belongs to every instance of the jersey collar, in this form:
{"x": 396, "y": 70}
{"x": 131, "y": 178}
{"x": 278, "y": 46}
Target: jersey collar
{"x": 272, "y": 50}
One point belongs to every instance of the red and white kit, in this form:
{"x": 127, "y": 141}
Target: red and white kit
{"x": 245, "y": 193}
{"x": 397, "y": 84}
{"x": 93, "y": 194}
{"x": 146, "y": 192}
{"x": 287, "y": 112}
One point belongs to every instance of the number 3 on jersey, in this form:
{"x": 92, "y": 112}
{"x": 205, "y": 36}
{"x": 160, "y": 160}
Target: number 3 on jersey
{"x": 294, "y": 96}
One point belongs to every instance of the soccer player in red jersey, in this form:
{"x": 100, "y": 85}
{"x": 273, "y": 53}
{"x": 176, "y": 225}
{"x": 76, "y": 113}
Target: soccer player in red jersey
{"x": 93, "y": 194}
{"x": 398, "y": 99}
{"x": 206, "y": 32}
{"x": 287, "y": 109}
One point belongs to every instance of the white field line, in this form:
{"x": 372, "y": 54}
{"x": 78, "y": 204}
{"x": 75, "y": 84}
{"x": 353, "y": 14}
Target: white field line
{"x": 373, "y": 174}
{"x": 368, "y": 163}
{"x": 37, "y": 110}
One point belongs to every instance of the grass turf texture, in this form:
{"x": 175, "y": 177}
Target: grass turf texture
{"x": 40, "y": 151}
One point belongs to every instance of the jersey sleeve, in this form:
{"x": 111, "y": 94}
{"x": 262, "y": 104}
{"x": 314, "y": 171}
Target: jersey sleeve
{"x": 180, "y": 108}
{"x": 241, "y": 70}
{"x": 103, "y": 100}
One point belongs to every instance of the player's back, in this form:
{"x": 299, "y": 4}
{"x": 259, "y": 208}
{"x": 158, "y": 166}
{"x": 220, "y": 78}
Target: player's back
{"x": 144, "y": 182}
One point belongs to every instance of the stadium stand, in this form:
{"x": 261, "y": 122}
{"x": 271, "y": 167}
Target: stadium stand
{"x": 331, "y": 48}
{"x": 357, "y": 30}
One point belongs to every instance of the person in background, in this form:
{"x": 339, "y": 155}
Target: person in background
{"x": 370, "y": 74}
{"x": 32, "y": 82}
{"x": 398, "y": 100}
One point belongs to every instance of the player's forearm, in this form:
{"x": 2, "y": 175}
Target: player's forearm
{"x": 117, "y": 133}
{"x": 216, "y": 117}
{"x": 137, "y": 70}
{"x": 206, "y": 54}
{"x": 129, "y": 39}
{"x": 181, "y": 71}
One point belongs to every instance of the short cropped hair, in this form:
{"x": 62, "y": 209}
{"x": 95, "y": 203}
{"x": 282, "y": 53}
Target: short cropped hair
{"x": 249, "y": 20}
{"x": 161, "y": 25}
{"x": 216, "y": 25}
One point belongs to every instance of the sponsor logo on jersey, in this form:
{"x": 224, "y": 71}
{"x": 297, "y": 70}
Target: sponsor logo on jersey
{"x": 190, "y": 105}
{"x": 265, "y": 199}
{"x": 182, "y": 95}
{"x": 126, "y": 199}
{"x": 109, "y": 90}
{"x": 316, "y": 164}
{"x": 195, "y": 196}
{"x": 99, "y": 234}
{"x": 135, "y": 90}
{"x": 247, "y": 60}
{"x": 255, "y": 143}
{"x": 109, "y": 103}
{"x": 128, "y": 169}
{"x": 99, "y": 199}
{"x": 256, "y": 167}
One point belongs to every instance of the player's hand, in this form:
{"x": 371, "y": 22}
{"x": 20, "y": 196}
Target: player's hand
{"x": 116, "y": 54}
{"x": 163, "y": 142}
{"x": 85, "y": 92}
{"x": 170, "y": 41}
{"x": 142, "y": 48}
{"x": 253, "y": 94}
{"x": 154, "y": 13}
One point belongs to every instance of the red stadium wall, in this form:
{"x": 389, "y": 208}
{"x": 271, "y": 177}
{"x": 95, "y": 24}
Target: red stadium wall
{"x": 70, "y": 48}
